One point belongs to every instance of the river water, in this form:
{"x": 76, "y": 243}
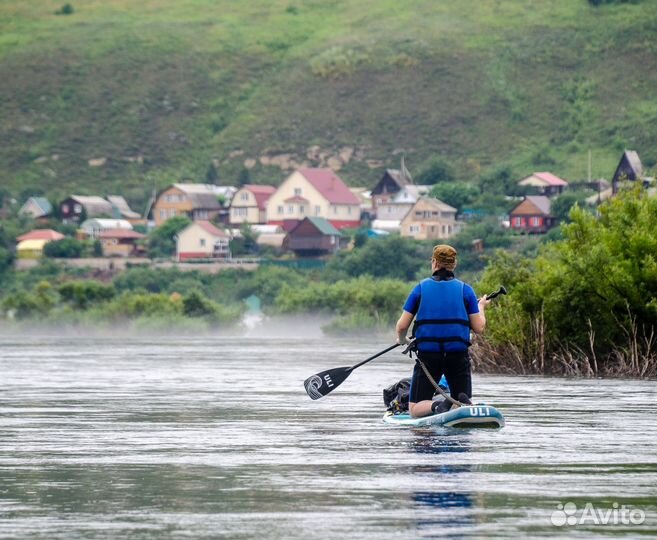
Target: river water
{"x": 216, "y": 438}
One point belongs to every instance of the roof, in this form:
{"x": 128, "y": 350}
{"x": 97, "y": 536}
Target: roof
{"x": 121, "y": 233}
{"x": 331, "y": 187}
{"x": 205, "y": 195}
{"x": 634, "y": 161}
{"x": 400, "y": 179}
{"x": 410, "y": 193}
{"x": 545, "y": 178}
{"x": 541, "y": 202}
{"x": 40, "y": 234}
{"x": 31, "y": 244}
{"x": 42, "y": 203}
{"x": 210, "y": 228}
{"x": 93, "y": 204}
{"x": 105, "y": 223}
{"x": 261, "y": 193}
{"x": 324, "y": 226}
{"x": 437, "y": 203}
{"x": 122, "y": 206}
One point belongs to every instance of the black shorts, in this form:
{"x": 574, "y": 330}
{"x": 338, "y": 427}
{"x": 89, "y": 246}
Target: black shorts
{"x": 454, "y": 365}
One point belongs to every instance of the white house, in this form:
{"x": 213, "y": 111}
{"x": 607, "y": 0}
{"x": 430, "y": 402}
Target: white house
{"x": 311, "y": 192}
{"x": 202, "y": 240}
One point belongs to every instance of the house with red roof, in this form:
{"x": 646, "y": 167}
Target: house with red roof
{"x": 120, "y": 242}
{"x": 249, "y": 204}
{"x": 546, "y": 183}
{"x": 41, "y": 234}
{"x": 30, "y": 245}
{"x": 202, "y": 240}
{"x": 309, "y": 192}
{"x": 532, "y": 215}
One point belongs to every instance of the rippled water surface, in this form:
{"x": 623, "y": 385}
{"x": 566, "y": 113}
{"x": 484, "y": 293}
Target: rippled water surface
{"x": 216, "y": 438}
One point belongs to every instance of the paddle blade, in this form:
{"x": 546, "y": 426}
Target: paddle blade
{"x": 325, "y": 382}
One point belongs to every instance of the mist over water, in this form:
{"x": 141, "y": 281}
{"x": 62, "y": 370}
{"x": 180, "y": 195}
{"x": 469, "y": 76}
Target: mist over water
{"x": 214, "y": 437}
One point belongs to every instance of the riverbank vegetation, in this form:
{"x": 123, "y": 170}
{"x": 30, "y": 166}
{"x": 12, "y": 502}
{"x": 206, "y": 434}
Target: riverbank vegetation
{"x": 587, "y": 304}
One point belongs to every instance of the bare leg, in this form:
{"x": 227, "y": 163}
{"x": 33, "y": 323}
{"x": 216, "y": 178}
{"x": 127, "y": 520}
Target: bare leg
{"x": 421, "y": 408}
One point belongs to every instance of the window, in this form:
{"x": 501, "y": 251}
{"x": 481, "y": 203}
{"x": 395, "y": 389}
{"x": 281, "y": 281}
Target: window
{"x": 202, "y": 242}
{"x": 77, "y": 209}
{"x": 302, "y": 210}
{"x": 318, "y": 210}
{"x": 280, "y": 209}
{"x": 240, "y": 211}
{"x": 290, "y": 209}
{"x": 535, "y": 221}
{"x": 517, "y": 221}
{"x": 335, "y": 209}
{"x": 332, "y": 240}
{"x": 244, "y": 196}
{"x": 297, "y": 192}
{"x": 414, "y": 229}
{"x": 349, "y": 210}
{"x": 65, "y": 208}
{"x": 163, "y": 213}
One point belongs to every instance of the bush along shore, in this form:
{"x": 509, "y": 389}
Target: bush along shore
{"x": 587, "y": 304}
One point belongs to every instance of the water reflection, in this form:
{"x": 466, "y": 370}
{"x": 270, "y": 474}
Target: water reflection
{"x": 443, "y": 512}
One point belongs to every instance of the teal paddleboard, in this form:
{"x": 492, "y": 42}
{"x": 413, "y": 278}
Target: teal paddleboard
{"x": 478, "y": 415}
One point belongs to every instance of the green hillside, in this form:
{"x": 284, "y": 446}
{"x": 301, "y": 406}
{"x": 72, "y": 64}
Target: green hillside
{"x": 164, "y": 90}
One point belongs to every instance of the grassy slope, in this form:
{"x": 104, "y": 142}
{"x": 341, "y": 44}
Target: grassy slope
{"x": 531, "y": 84}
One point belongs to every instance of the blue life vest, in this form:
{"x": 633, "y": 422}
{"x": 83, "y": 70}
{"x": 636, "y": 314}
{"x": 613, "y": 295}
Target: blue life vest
{"x": 441, "y": 321}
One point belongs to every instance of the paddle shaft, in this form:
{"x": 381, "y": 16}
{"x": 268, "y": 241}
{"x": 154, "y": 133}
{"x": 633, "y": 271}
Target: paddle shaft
{"x": 375, "y": 356}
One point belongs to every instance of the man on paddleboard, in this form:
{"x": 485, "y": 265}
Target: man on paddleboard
{"x": 446, "y": 310}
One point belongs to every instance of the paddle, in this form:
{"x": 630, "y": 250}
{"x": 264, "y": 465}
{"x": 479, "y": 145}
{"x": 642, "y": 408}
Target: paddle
{"x": 324, "y": 382}
{"x": 501, "y": 290}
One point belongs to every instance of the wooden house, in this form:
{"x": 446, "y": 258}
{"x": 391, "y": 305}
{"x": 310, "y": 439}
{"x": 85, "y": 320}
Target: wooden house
{"x": 629, "y": 169}
{"x": 202, "y": 240}
{"x": 391, "y": 183}
{"x": 199, "y": 202}
{"x": 77, "y": 208}
{"x": 545, "y": 183}
{"x": 532, "y": 215}
{"x": 249, "y": 204}
{"x": 120, "y": 242}
{"x": 310, "y": 192}
{"x": 37, "y": 208}
{"x": 314, "y": 236}
{"x": 429, "y": 219}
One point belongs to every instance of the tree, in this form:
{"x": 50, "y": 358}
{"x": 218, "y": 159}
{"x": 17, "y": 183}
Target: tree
{"x": 438, "y": 170}
{"x": 66, "y": 248}
{"x": 455, "y": 194}
{"x": 392, "y": 256}
{"x": 162, "y": 241}
{"x": 212, "y": 174}
{"x": 246, "y": 243}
